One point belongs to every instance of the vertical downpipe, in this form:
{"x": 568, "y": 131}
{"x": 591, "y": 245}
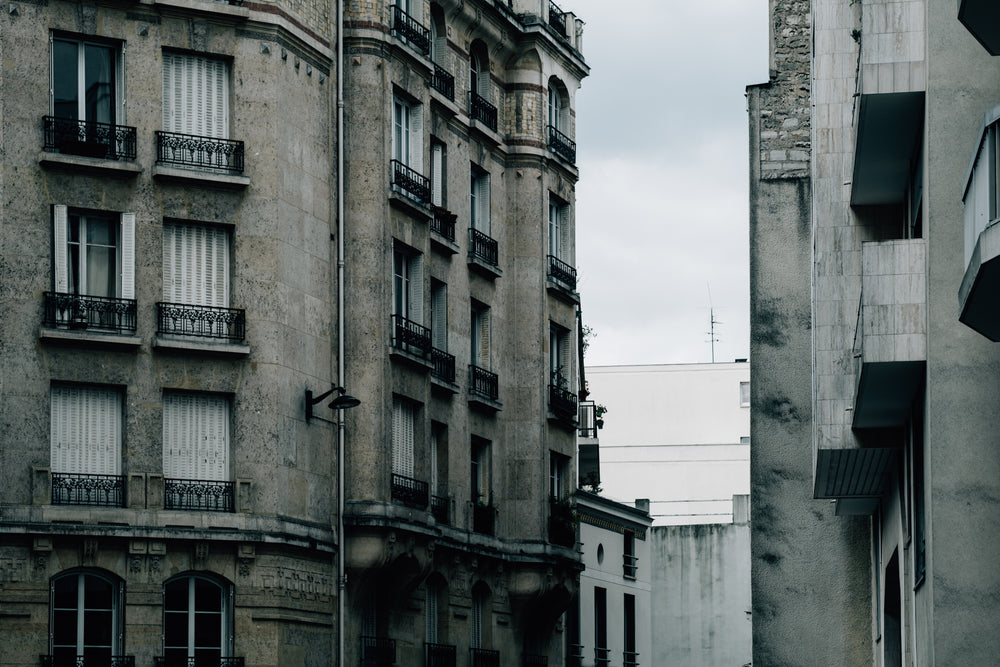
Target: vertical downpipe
{"x": 341, "y": 572}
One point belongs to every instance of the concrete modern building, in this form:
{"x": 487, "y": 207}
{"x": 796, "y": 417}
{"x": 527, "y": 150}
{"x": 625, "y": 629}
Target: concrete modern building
{"x": 209, "y": 228}
{"x": 874, "y": 480}
{"x": 612, "y": 623}
{"x": 678, "y": 434}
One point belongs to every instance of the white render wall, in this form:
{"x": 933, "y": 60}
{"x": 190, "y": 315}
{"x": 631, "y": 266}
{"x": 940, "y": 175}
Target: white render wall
{"x": 672, "y": 434}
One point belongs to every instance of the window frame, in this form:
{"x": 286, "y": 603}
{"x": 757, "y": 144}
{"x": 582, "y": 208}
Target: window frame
{"x": 191, "y": 248}
{"x": 408, "y": 283}
{"x": 480, "y": 347}
{"x": 403, "y": 430}
{"x": 88, "y": 458}
{"x": 116, "y": 609}
{"x": 745, "y": 394}
{"x": 560, "y": 356}
{"x": 212, "y": 116}
{"x": 117, "y": 78}
{"x": 408, "y": 133}
{"x": 225, "y": 613}
{"x": 479, "y": 200}
{"x": 186, "y": 418}
{"x": 124, "y": 271}
{"x": 559, "y": 236}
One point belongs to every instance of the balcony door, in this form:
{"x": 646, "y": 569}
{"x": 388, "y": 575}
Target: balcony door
{"x": 196, "y": 265}
{"x": 84, "y": 81}
{"x": 195, "y": 95}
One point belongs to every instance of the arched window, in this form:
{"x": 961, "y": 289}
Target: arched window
{"x": 197, "y": 620}
{"x": 439, "y": 36}
{"x": 558, "y": 106}
{"x": 85, "y": 608}
{"x": 479, "y": 70}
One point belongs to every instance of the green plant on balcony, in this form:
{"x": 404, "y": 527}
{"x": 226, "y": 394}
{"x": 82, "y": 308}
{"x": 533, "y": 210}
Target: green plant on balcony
{"x": 599, "y": 412}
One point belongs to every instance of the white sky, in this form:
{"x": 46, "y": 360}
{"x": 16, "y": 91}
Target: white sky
{"x": 662, "y": 203}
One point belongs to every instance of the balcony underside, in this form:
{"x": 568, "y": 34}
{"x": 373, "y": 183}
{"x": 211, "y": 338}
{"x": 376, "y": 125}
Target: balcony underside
{"x": 978, "y": 295}
{"x": 854, "y": 477}
{"x": 889, "y": 134}
{"x": 982, "y": 19}
{"x": 886, "y": 391}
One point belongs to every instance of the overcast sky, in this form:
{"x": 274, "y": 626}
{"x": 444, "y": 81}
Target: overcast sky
{"x": 662, "y": 202}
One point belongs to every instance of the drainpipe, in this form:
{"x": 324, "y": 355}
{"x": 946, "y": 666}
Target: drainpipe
{"x": 341, "y": 572}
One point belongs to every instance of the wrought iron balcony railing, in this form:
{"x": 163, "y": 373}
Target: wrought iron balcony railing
{"x": 483, "y": 247}
{"x": 181, "y": 319}
{"x": 444, "y": 365}
{"x": 89, "y": 138}
{"x": 410, "y": 182}
{"x": 411, "y": 492}
{"x": 557, "y": 19}
{"x": 198, "y": 494}
{"x": 630, "y": 659}
{"x": 587, "y": 420}
{"x": 443, "y": 223}
{"x": 192, "y": 151}
{"x": 80, "y": 489}
{"x": 481, "y": 110}
{"x": 483, "y": 383}
{"x": 562, "y": 145}
{"x": 411, "y": 337}
{"x": 410, "y": 30}
{"x": 199, "y": 661}
{"x": 562, "y": 402}
{"x": 377, "y": 652}
{"x": 562, "y": 272}
{"x": 96, "y": 313}
{"x": 439, "y": 509}
{"x": 483, "y": 518}
{"x": 84, "y": 661}
{"x": 484, "y": 657}
{"x": 602, "y": 657}
{"x": 533, "y": 660}
{"x": 630, "y": 565}
{"x": 439, "y": 655}
{"x": 443, "y": 82}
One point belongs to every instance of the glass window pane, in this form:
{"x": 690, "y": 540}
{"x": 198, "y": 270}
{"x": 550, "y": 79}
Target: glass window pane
{"x": 97, "y": 628}
{"x": 97, "y": 593}
{"x": 208, "y": 630}
{"x": 64, "y": 628}
{"x": 101, "y": 231}
{"x": 207, "y": 595}
{"x": 101, "y": 271}
{"x": 65, "y": 81}
{"x": 175, "y": 595}
{"x": 99, "y": 83}
{"x": 175, "y": 629}
{"x": 64, "y": 593}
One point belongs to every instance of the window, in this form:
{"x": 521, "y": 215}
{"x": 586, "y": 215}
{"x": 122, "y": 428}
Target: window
{"x": 86, "y": 445}
{"x": 432, "y": 606}
{"x": 196, "y": 452}
{"x": 437, "y": 173}
{"x": 407, "y": 284}
{"x": 480, "y": 348}
{"x": 85, "y": 81}
{"x": 558, "y": 465}
{"x": 407, "y": 17}
{"x": 481, "y": 108}
{"x": 479, "y": 201}
{"x": 439, "y": 315}
{"x": 403, "y": 417}
{"x": 744, "y": 394}
{"x": 559, "y": 244}
{"x": 439, "y": 36}
{"x": 196, "y": 265}
{"x": 481, "y": 464}
{"x": 85, "y": 621}
{"x": 195, "y": 95}
{"x": 557, "y": 110}
{"x": 744, "y": 439}
{"x": 629, "y": 560}
{"x": 560, "y": 365}
{"x": 407, "y": 133}
{"x": 601, "y": 656}
{"x": 439, "y": 471}
{"x": 197, "y": 619}
{"x": 631, "y": 657}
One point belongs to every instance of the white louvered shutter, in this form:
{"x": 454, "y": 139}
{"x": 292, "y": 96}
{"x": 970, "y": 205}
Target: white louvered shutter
{"x": 128, "y": 256}
{"x": 400, "y": 131}
{"x": 434, "y": 462}
{"x": 431, "y": 614}
{"x": 439, "y": 317}
{"x": 437, "y": 175}
{"x": 196, "y": 265}
{"x": 195, "y": 95}
{"x": 86, "y": 430}
{"x": 564, "y": 244}
{"x": 484, "y": 339}
{"x": 415, "y": 270}
{"x": 482, "y": 203}
{"x": 564, "y": 357}
{"x": 60, "y": 271}
{"x": 476, "y": 636}
{"x": 195, "y": 437}
{"x": 415, "y": 160}
{"x": 402, "y": 437}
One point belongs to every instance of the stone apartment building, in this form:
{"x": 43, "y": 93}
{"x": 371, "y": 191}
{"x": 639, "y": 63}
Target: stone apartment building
{"x": 217, "y": 219}
{"x": 874, "y": 476}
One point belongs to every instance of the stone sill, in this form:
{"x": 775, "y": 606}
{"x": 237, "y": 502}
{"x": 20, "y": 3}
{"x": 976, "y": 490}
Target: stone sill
{"x": 447, "y": 106}
{"x": 483, "y": 130}
{"x": 196, "y": 177}
{"x": 111, "y": 168}
{"x": 559, "y": 291}
{"x": 442, "y": 244}
{"x": 443, "y": 387}
{"x": 410, "y": 359}
{"x": 202, "y": 346}
{"x": 562, "y": 422}
{"x": 90, "y": 339}
{"x": 399, "y": 199}
{"x": 484, "y": 404}
{"x": 488, "y": 271}
{"x": 216, "y": 9}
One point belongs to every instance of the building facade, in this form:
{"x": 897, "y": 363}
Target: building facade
{"x": 216, "y": 212}
{"x": 873, "y": 480}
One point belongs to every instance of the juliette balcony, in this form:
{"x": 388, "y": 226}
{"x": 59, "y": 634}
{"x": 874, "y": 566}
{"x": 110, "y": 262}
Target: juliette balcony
{"x": 602, "y": 657}
{"x": 532, "y": 660}
{"x": 444, "y": 365}
{"x": 587, "y": 419}
{"x": 443, "y": 82}
{"x": 562, "y": 145}
{"x": 630, "y": 659}
{"x": 483, "y": 383}
{"x": 439, "y": 509}
{"x": 481, "y": 110}
{"x": 483, "y": 248}
{"x": 439, "y": 655}
{"x": 557, "y": 19}
{"x": 484, "y": 518}
{"x": 89, "y": 138}
{"x": 411, "y": 337}
{"x": 562, "y": 523}
{"x": 563, "y": 403}
{"x": 410, "y": 182}
{"x": 574, "y": 657}
{"x": 562, "y": 273}
{"x": 377, "y": 652}
{"x": 92, "y": 313}
{"x": 84, "y": 661}
{"x": 410, "y": 30}
{"x": 80, "y": 489}
{"x": 200, "y": 661}
{"x": 484, "y": 657}
{"x": 198, "y": 495}
{"x": 630, "y": 566}
{"x": 180, "y": 319}
{"x": 194, "y": 152}
{"x": 443, "y": 223}
{"x": 411, "y": 492}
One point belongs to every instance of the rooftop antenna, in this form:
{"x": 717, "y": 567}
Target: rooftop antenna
{"x": 712, "y": 322}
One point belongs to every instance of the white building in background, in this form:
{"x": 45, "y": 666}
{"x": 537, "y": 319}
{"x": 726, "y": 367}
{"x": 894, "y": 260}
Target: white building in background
{"x": 678, "y": 434}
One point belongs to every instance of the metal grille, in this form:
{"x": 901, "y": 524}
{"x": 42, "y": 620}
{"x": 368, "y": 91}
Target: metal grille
{"x": 410, "y": 336}
{"x": 439, "y": 508}
{"x": 411, "y": 30}
{"x": 80, "y": 489}
{"x": 89, "y": 138}
{"x": 630, "y": 564}
{"x": 206, "y": 321}
{"x": 484, "y": 657}
{"x": 196, "y": 494}
{"x": 602, "y": 657}
{"x": 562, "y": 272}
{"x": 443, "y": 223}
{"x": 557, "y": 19}
{"x": 443, "y": 82}
{"x": 377, "y": 652}
{"x": 411, "y": 182}
{"x": 411, "y": 492}
{"x": 439, "y": 655}
{"x": 484, "y": 383}
{"x": 89, "y": 312}
{"x": 83, "y": 661}
{"x": 562, "y": 145}
{"x": 189, "y": 150}
{"x": 202, "y": 661}
{"x": 444, "y": 365}
{"x": 482, "y": 111}
{"x": 483, "y": 247}
{"x": 533, "y": 660}
{"x": 587, "y": 420}
{"x": 562, "y": 402}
